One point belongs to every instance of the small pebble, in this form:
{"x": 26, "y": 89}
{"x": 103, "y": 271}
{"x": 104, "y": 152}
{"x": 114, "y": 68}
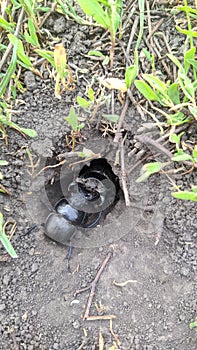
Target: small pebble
{"x": 2, "y": 307}
{"x": 34, "y": 267}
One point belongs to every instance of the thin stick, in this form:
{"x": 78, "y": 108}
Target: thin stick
{"x": 139, "y": 109}
{"x": 155, "y": 28}
{"x": 104, "y": 317}
{"x": 92, "y": 287}
{"x": 124, "y": 110}
{"x": 133, "y": 32}
{"x": 95, "y": 156}
{"x": 53, "y": 6}
{"x": 156, "y": 48}
{"x": 156, "y": 144}
{"x": 112, "y": 102}
{"x": 9, "y": 48}
{"x": 124, "y": 175}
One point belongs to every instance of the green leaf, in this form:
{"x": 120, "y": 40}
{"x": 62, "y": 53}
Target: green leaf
{"x": 194, "y": 153}
{"x": 193, "y": 63}
{"x": 111, "y": 117}
{"x": 187, "y": 32}
{"x": 83, "y": 102}
{"x": 187, "y": 9}
{"x": 29, "y": 7}
{"x": 7, "y": 77}
{"x": 29, "y": 132}
{"x": 6, "y": 25}
{"x": 20, "y": 50}
{"x": 48, "y": 55}
{"x": 92, "y": 8}
{"x": 147, "y": 54}
{"x": 105, "y": 61}
{"x": 182, "y": 157}
{"x": 7, "y": 245}
{"x": 72, "y": 119}
{"x": 174, "y": 138}
{"x": 96, "y": 53}
{"x": 185, "y": 195}
{"x": 91, "y": 94}
{"x": 177, "y": 119}
{"x": 132, "y": 71}
{"x": 174, "y": 60}
{"x": 149, "y": 169}
{"x": 194, "y": 189}
{"x": 193, "y": 111}
{"x": 32, "y": 38}
{"x": 156, "y": 83}
{"x": 173, "y": 93}
{"x": 146, "y": 90}
{"x": 186, "y": 86}
{"x": 141, "y": 9}
{"x": 5, "y": 241}
{"x": 3, "y": 162}
{"x": 189, "y": 55}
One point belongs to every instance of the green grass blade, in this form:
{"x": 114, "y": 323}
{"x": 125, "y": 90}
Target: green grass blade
{"x": 146, "y": 90}
{"x": 7, "y": 245}
{"x": 28, "y": 132}
{"x": 5, "y": 241}
{"x": 115, "y": 17}
{"x": 6, "y": 25}
{"x": 141, "y": 8}
{"x": 174, "y": 60}
{"x": 71, "y": 13}
{"x": 31, "y": 38}
{"x": 48, "y": 55}
{"x": 7, "y": 77}
{"x": 20, "y": 50}
{"x": 185, "y": 195}
{"x": 132, "y": 71}
{"x": 29, "y": 7}
{"x": 92, "y": 8}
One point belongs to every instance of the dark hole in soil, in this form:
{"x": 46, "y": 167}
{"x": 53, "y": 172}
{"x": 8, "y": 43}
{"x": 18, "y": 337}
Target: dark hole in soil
{"x": 81, "y": 199}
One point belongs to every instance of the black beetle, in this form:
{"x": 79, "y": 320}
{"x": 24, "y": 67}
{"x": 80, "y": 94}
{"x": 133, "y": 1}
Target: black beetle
{"x": 90, "y": 197}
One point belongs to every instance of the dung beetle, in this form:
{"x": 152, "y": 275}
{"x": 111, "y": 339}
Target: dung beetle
{"x": 89, "y": 198}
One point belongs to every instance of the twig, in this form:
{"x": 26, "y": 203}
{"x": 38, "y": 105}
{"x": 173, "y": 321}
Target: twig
{"x": 124, "y": 175}
{"x": 84, "y": 342}
{"x": 112, "y": 332}
{"x": 53, "y": 6}
{"x": 50, "y": 167}
{"x": 112, "y": 102}
{"x": 92, "y": 287}
{"x": 174, "y": 67}
{"x": 9, "y": 48}
{"x": 156, "y": 45}
{"x": 95, "y": 156}
{"x": 118, "y": 132}
{"x": 139, "y": 109}
{"x": 156, "y": 144}
{"x": 155, "y": 28}
{"x": 103, "y": 317}
{"x": 138, "y": 163}
{"x": 133, "y": 32}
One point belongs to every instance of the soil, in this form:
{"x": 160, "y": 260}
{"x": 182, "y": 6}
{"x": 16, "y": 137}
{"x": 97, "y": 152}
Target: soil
{"x": 153, "y": 242}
